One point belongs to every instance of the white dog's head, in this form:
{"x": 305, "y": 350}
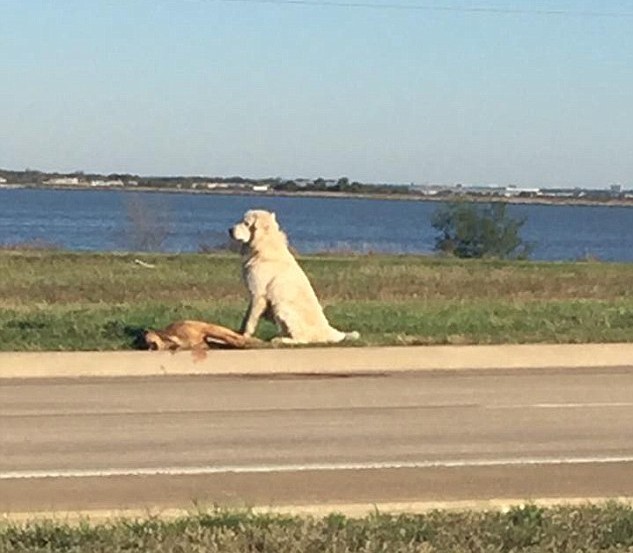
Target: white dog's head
{"x": 257, "y": 225}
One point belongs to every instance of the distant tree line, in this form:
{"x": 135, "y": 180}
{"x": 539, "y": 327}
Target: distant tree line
{"x": 342, "y": 185}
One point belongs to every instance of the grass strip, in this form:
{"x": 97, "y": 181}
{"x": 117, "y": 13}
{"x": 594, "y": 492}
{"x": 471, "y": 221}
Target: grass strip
{"x": 529, "y": 528}
{"x": 85, "y": 301}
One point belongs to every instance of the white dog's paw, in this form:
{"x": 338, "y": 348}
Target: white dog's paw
{"x": 285, "y": 341}
{"x": 354, "y": 335}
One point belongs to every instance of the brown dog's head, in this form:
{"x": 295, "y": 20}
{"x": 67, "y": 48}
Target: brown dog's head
{"x": 157, "y": 341}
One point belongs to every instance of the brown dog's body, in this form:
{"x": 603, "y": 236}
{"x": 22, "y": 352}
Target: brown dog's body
{"x": 196, "y": 335}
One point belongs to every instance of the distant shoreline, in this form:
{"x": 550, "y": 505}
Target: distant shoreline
{"x": 538, "y": 200}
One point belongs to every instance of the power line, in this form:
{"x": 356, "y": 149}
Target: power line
{"x": 436, "y": 8}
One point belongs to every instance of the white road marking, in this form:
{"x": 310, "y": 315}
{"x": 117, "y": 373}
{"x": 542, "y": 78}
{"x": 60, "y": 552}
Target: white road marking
{"x": 259, "y": 469}
{"x": 595, "y": 405}
{"x": 250, "y": 410}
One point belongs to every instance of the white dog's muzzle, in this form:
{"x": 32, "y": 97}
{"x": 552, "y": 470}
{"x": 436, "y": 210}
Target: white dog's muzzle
{"x": 240, "y": 232}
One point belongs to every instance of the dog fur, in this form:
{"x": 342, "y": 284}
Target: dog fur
{"x": 277, "y": 285}
{"x": 196, "y": 335}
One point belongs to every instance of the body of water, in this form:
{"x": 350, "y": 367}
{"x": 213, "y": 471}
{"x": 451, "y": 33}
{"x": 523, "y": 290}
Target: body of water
{"x": 109, "y": 220}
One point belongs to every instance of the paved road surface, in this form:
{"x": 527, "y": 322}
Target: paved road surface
{"x": 278, "y": 440}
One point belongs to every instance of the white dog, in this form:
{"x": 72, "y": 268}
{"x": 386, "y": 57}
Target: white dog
{"x": 278, "y": 286}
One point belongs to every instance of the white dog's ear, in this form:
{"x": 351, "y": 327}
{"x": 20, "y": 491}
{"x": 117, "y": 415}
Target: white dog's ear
{"x": 269, "y": 222}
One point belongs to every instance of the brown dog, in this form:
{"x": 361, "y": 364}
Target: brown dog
{"x": 196, "y": 335}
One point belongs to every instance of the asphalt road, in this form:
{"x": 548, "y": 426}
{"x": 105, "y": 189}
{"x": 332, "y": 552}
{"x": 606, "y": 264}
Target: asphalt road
{"x": 125, "y": 443}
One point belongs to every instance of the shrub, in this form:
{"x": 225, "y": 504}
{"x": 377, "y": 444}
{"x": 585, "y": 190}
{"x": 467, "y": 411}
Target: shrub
{"x": 479, "y": 230}
{"x": 147, "y": 223}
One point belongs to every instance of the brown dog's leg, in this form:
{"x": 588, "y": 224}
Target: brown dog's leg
{"x": 219, "y": 335}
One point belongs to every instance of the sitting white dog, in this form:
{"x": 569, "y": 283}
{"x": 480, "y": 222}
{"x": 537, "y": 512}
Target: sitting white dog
{"x": 278, "y": 286}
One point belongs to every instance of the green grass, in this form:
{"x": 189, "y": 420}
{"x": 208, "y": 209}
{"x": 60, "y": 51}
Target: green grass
{"x": 590, "y": 528}
{"x": 81, "y": 301}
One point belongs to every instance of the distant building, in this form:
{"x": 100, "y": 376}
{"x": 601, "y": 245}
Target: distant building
{"x": 494, "y": 190}
{"x": 64, "y": 181}
{"x": 615, "y": 189}
{"x": 107, "y": 183}
{"x": 513, "y": 191}
{"x": 214, "y": 185}
{"x": 426, "y": 189}
{"x": 260, "y": 188}
{"x": 564, "y": 193}
{"x": 3, "y": 180}
{"x": 484, "y": 190}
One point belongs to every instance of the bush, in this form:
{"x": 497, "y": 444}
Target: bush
{"x": 472, "y": 230}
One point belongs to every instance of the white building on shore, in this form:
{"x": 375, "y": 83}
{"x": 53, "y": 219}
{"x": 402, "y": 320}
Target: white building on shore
{"x": 63, "y": 181}
{"x": 107, "y": 183}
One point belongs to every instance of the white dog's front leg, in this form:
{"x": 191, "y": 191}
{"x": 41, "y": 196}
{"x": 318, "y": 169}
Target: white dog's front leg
{"x": 255, "y": 310}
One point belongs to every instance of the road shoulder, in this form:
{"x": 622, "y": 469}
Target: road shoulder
{"x": 317, "y": 360}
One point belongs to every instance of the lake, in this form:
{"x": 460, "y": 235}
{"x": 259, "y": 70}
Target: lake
{"x": 112, "y": 220}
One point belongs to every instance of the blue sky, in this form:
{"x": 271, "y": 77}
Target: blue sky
{"x": 223, "y": 88}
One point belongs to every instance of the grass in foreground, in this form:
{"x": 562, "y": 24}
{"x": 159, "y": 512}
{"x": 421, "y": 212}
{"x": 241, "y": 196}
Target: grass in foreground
{"x": 80, "y": 301}
{"x": 605, "y": 528}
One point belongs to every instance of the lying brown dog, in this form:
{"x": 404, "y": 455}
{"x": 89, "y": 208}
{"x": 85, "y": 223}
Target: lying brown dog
{"x": 196, "y": 335}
